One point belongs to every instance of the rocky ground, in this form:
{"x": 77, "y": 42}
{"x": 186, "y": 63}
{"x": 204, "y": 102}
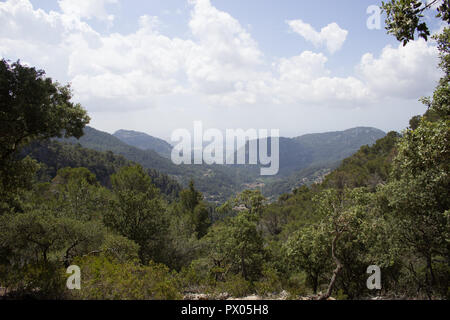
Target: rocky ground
{"x": 225, "y": 296}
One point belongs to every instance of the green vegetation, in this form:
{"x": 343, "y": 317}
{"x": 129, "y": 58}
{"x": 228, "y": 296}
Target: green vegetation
{"x": 53, "y": 156}
{"x": 219, "y": 182}
{"x": 135, "y": 235}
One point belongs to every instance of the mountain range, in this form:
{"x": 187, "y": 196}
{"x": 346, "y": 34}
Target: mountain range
{"x": 303, "y": 160}
{"x": 144, "y": 141}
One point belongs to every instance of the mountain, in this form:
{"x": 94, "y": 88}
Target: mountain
{"x": 334, "y": 146}
{"x": 144, "y": 141}
{"x": 216, "y": 182}
{"x": 368, "y": 167}
{"x": 55, "y": 155}
{"x": 309, "y": 158}
{"x": 322, "y": 149}
{"x": 102, "y": 141}
{"x": 303, "y": 160}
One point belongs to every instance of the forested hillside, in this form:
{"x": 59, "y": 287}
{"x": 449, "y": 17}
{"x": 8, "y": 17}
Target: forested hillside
{"x": 144, "y": 141}
{"x": 307, "y": 159}
{"x": 298, "y": 157}
{"x": 55, "y": 155}
{"x": 217, "y": 182}
{"x": 102, "y": 141}
{"x": 334, "y": 146}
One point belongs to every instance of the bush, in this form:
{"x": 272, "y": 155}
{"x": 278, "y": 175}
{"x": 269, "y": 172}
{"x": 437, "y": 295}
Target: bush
{"x": 120, "y": 248}
{"x": 34, "y": 281}
{"x": 197, "y": 278}
{"x": 103, "y": 278}
{"x": 236, "y": 286}
{"x": 269, "y": 284}
{"x": 297, "y": 286}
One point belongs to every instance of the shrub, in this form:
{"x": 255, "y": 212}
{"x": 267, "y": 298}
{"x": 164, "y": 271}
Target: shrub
{"x": 297, "y": 286}
{"x": 34, "y": 281}
{"x": 236, "y": 286}
{"x": 270, "y": 282}
{"x": 103, "y": 278}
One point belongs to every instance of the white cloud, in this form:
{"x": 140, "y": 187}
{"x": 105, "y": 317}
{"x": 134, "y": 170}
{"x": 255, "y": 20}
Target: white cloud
{"x": 331, "y": 36}
{"x": 219, "y": 65}
{"x": 224, "y": 56}
{"x": 402, "y": 72}
{"x": 45, "y": 40}
{"x": 87, "y": 8}
{"x": 303, "y": 68}
{"x": 305, "y": 78}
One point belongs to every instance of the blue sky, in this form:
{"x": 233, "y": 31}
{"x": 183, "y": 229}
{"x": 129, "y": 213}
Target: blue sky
{"x": 156, "y": 66}
{"x": 266, "y": 21}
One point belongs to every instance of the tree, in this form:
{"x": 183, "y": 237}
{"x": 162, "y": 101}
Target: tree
{"x": 439, "y": 105}
{"x": 236, "y": 246}
{"x": 137, "y": 212}
{"x": 33, "y": 107}
{"x": 16, "y": 178}
{"x": 252, "y": 200}
{"x": 201, "y": 220}
{"x": 78, "y": 194}
{"x": 418, "y": 193}
{"x": 343, "y": 215}
{"x": 308, "y": 250}
{"x": 35, "y": 245}
{"x": 404, "y": 17}
{"x": 190, "y": 197}
{"x": 192, "y": 203}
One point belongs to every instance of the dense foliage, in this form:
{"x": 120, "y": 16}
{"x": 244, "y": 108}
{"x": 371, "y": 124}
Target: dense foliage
{"x": 54, "y": 155}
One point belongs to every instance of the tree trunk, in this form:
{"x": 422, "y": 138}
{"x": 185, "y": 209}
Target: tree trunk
{"x": 431, "y": 281}
{"x": 244, "y": 271}
{"x": 315, "y": 283}
{"x": 336, "y": 271}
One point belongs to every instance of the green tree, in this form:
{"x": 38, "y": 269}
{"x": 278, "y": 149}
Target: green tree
{"x": 418, "y": 196}
{"x": 308, "y": 250}
{"x": 252, "y": 200}
{"x": 137, "y": 212}
{"x": 236, "y": 246}
{"x": 344, "y": 215}
{"x": 78, "y": 194}
{"x": 192, "y": 203}
{"x": 16, "y": 179}
{"x": 32, "y": 107}
{"x": 405, "y": 17}
{"x": 190, "y": 197}
{"x": 37, "y": 241}
{"x": 418, "y": 193}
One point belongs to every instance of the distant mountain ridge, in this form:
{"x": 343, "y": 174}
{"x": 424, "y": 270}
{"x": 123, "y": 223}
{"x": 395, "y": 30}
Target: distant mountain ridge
{"x": 144, "y": 141}
{"x": 302, "y": 158}
{"x": 330, "y": 147}
{"x": 216, "y": 182}
{"x": 103, "y": 141}
{"x": 322, "y": 149}
{"x": 55, "y": 155}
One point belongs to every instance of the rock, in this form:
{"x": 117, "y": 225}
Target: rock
{"x": 196, "y": 297}
{"x": 252, "y": 297}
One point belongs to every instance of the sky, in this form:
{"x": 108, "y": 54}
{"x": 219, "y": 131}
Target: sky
{"x": 157, "y": 66}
